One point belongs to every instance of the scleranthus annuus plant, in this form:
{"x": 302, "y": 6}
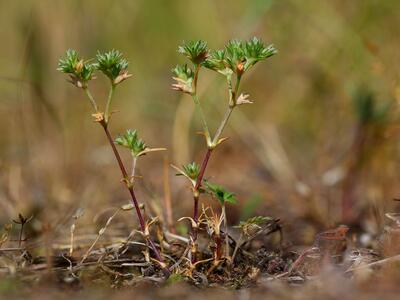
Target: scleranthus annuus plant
{"x": 114, "y": 66}
{"x": 232, "y": 62}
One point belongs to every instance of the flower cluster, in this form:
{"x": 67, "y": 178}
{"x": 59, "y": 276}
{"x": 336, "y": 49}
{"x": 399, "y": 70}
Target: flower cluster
{"x": 192, "y": 170}
{"x": 131, "y": 141}
{"x": 196, "y": 51}
{"x": 184, "y": 77}
{"x": 236, "y": 57}
{"x": 112, "y": 64}
{"x": 80, "y": 72}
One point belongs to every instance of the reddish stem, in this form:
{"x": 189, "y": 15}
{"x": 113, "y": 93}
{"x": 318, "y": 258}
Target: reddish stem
{"x": 133, "y": 196}
{"x": 203, "y": 169}
{"x": 196, "y": 198}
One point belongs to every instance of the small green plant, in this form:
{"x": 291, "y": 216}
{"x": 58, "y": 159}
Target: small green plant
{"x": 114, "y": 66}
{"x": 232, "y": 62}
{"x": 137, "y": 147}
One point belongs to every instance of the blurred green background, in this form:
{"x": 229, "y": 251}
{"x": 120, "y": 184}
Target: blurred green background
{"x": 307, "y": 141}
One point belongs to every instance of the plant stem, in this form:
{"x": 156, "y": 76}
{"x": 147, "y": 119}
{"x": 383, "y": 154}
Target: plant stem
{"x": 20, "y": 235}
{"x": 238, "y": 244}
{"x": 196, "y": 195}
{"x": 222, "y": 125}
{"x": 211, "y": 145}
{"x": 133, "y": 196}
{"x": 203, "y": 169}
{"x": 134, "y": 162}
{"x": 108, "y": 105}
{"x": 226, "y": 231}
{"x": 167, "y": 196}
{"x": 92, "y": 101}
{"x": 202, "y": 117}
{"x": 196, "y": 77}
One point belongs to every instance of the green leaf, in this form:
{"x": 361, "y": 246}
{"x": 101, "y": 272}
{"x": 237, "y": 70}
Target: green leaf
{"x": 131, "y": 141}
{"x": 220, "y": 193}
{"x": 196, "y": 51}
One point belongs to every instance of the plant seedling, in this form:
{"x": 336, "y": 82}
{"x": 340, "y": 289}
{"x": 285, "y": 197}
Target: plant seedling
{"x": 137, "y": 148}
{"x": 114, "y": 66}
{"x": 232, "y": 62}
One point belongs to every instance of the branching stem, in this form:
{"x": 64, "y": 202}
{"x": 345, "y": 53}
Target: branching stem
{"x": 202, "y": 117}
{"x": 211, "y": 144}
{"x": 104, "y": 125}
{"x": 91, "y": 99}
{"x": 108, "y": 105}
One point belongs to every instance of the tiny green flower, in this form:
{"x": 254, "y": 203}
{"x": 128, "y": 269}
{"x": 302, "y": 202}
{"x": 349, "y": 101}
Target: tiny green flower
{"x": 80, "y": 72}
{"x": 238, "y": 56}
{"x": 113, "y": 65}
{"x": 220, "y": 193}
{"x": 192, "y": 170}
{"x": 255, "y": 51}
{"x": 216, "y": 61}
{"x": 235, "y": 57}
{"x": 131, "y": 141}
{"x": 184, "y": 76}
{"x": 196, "y": 51}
